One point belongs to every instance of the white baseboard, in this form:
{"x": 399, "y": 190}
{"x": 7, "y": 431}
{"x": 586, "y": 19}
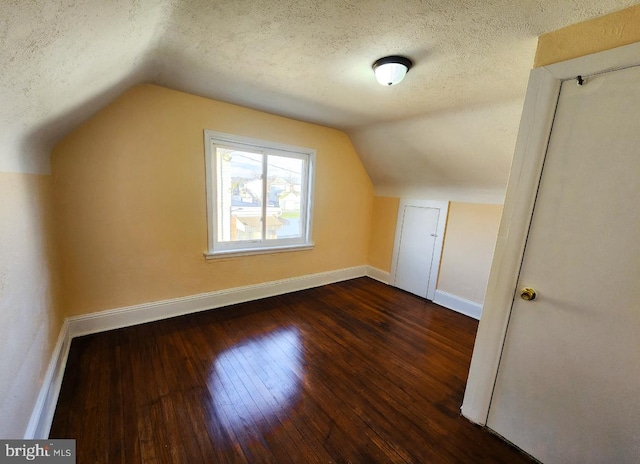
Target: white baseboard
{"x": 378, "y": 274}
{"x": 45, "y": 407}
{"x": 158, "y": 310}
{"x": 460, "y": 305}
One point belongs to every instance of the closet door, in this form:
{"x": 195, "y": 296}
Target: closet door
{"x": 419, "y": 235}
{"x": 568, "y": 385}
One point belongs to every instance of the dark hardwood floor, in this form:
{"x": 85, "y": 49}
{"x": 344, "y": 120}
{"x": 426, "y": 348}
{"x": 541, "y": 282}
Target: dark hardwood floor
{"x": 354, "y": 372}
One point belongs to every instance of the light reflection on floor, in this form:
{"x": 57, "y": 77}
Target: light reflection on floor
{"x": 256, "y": 383}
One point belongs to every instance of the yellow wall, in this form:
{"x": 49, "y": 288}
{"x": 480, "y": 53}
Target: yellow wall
{"x": 29, "y": 322}
{"x": 596, "y": 35}
{"x": 470, "y": 238}
{"x": 131, "y": 205}
{"x": 383, "y": 230}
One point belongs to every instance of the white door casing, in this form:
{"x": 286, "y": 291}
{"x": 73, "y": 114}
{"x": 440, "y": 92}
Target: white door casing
{"x": 536, "y": 124}
{"x": 418, "y": 246}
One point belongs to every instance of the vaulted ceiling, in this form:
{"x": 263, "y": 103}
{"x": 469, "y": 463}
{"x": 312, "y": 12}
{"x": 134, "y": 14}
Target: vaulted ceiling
{"x": 447, "y": 131}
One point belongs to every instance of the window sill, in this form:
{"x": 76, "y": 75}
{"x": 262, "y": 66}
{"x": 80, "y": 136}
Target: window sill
{"x": 256, "y": 251}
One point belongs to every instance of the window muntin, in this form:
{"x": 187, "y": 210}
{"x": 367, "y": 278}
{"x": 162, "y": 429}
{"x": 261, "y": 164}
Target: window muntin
{"x": 258, "y": 194}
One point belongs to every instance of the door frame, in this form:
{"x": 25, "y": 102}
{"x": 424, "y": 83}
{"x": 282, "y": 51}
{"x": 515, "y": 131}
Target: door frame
{"x": 536, "y": 123}
{"x": 443, "y": 207}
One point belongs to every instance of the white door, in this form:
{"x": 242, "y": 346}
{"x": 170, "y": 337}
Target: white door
{"x": 568, "y": 384}
{"x": 418, "y": 246}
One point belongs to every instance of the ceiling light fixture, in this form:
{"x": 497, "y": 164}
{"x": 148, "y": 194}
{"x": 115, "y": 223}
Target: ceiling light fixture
{"x": 391, "y": 69}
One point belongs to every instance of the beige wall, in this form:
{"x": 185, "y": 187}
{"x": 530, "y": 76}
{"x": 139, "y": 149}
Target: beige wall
{"x": 383, "y": 230}
{"x": 131, "y": 206}
{"x": 29, "y": 323}
{"x": 596, "y": 35}
{"x": 470, "y": 238}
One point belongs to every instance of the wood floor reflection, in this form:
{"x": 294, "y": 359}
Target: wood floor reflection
{"x": 354, "y": 372}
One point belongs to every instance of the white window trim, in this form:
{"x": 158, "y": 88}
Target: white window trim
{"x": 218, "y": 249}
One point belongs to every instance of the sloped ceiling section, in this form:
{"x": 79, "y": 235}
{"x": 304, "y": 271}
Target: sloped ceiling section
{"x": 61, "y": 61}
{"x": 447, "y": 131}
{"x": 460, "y": 155}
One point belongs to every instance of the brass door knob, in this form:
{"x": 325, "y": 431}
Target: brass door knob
{"x": 528, "y": 294}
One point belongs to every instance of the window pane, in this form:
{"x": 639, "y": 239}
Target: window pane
{"x": 284, "y": 197}
{"x": 258, "y": 194}
{"x": 239, "y": 195}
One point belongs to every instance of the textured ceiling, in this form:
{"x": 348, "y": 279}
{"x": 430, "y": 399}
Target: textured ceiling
{"x": 448, "y": 130}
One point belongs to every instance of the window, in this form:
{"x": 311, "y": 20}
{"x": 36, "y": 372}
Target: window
{"x": 258, "y": 194}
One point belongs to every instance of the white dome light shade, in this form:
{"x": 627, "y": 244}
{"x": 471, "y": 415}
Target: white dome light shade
{"x": 391, "y": 69}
